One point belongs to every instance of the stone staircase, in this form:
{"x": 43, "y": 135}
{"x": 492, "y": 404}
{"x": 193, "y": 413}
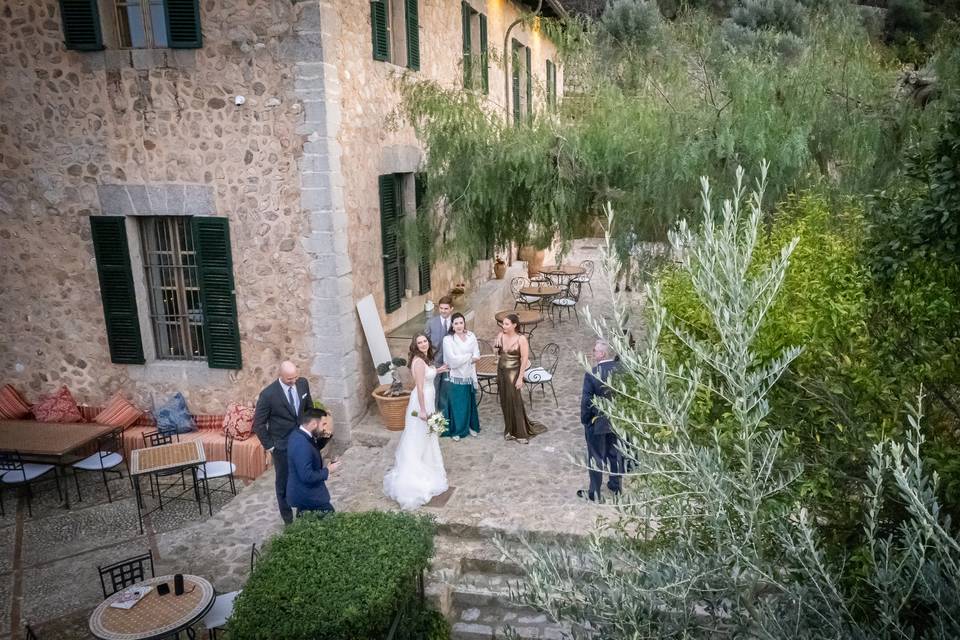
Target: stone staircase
{"x": 470, "y": 584}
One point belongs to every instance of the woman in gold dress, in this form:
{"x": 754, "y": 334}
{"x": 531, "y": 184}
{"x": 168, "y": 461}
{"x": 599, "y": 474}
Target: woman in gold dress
{"x": 513, "y": 363}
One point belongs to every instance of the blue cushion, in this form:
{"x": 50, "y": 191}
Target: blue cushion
{"x": 173, "y": 416}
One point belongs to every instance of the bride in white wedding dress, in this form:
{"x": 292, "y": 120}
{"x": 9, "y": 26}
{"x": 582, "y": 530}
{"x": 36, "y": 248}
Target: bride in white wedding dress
{"x": 418, "y": 474}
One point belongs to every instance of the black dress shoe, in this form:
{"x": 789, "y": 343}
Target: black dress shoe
{"x": 583, "y": 494}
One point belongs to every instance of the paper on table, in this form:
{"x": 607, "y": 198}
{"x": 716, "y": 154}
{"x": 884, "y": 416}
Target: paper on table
{"x": 130, "y": 597}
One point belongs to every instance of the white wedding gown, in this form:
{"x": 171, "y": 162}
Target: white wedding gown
{"x": 417, "y": 474}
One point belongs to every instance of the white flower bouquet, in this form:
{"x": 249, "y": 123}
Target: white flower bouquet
{"x": 437, "y": 424}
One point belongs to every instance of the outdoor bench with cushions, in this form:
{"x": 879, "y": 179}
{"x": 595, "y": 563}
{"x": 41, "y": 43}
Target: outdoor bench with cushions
{"x": 248, "y": 455}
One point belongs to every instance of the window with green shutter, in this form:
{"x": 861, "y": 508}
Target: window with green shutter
{"x": 515, "y": 59}
{"x": 423, "y": 268}
{"x": 529, "y": 69}
{"x": 81, "y": 25}
{"x": 380, "y": 25}
{"x": 465, "y": 13}
{"x": 117, "y": 294}
{"x": 183, "y": 24}
{"x": 394, "y": 260}
{"x": 484, "y": 55}
{"x": 551, "y": 85}
{"x": 412, "y": 18}
{"x": 221, "y": 331}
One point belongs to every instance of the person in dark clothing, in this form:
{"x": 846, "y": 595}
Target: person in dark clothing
{"x": 279, "y": 410}
{"x": 602, "y": 448}
{"x": 306, "y": 482}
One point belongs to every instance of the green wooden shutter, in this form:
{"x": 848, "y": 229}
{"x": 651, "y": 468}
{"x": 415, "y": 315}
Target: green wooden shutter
{"x": 551, "y": 84}
{"x": 423, "y": 268}
{"x": 183, "y": 24}
{"x": 81, "y": 25}
{"x": 484, "y": 55}
{"x": 116, "y": 289}
{"x": 381, "y": 36}
{"x": 394, "y": 277}
{"x": 221, "y": 333}
{"x": 413, "y": 34}
{"x": 529, "y": 84}
{"x": 516, "y": 82}
{"x": 465, "y": 12}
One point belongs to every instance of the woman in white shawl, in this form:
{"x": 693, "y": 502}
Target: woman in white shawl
{"x": 460, "y": 353}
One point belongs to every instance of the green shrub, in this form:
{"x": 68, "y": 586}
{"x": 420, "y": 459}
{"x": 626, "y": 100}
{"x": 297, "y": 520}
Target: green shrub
{"x": 339, "y": 577}
{"x": 631, "y": 24}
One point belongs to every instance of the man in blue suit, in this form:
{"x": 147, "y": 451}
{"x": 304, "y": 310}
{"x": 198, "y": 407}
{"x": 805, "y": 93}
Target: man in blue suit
{"x": 601, "y": 440}
{"x": 306, "y": 481}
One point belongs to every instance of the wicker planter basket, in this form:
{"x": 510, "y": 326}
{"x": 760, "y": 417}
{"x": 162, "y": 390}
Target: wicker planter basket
{"x": 392, "y": 408}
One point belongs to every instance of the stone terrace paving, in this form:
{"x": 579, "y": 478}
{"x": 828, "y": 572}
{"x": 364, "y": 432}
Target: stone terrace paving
{"x": 48, "y": 563}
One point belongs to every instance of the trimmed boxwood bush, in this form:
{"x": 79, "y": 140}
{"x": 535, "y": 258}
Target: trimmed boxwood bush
{"x": 339, "y": 577}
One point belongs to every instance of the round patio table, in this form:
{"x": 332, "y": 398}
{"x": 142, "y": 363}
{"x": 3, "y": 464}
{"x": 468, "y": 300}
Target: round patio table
{"x": 547, "y": 291}
{"x": 528, "y": 318}
{"x": 153, "y": 616}
{"x": 486, "y": 368}
{"x": 561, "y": 273}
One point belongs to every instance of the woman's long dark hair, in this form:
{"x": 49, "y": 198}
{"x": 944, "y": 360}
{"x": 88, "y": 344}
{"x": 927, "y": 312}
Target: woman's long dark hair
{"x": 453, "y": 318}
{"x": 415, "y": 353}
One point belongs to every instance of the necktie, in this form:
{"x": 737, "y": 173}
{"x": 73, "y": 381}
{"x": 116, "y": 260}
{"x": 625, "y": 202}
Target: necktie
{"x": 293, "y": 404}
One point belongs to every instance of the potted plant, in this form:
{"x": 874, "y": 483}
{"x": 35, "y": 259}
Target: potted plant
{"x": 392, "y": 398}
{"x": 458, "y": 290}
{"x": 499, "y": 268}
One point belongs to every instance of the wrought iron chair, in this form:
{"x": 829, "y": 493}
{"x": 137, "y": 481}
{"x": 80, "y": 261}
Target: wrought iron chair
{"x": 543, "y": 373}
{"x": 108, "y": 457}
{"x": 519, "y": 299}
{"x": 222, "y": 609}
{"x": 15, "y": 472}
{"x": 156, "y": 439}
{"x": 567, "y": 301}
{"x": 120, "y": 575}
{"x": 219, "y": 469}
{"x": 487, "y": 384}
{"x": 587, "y": 275}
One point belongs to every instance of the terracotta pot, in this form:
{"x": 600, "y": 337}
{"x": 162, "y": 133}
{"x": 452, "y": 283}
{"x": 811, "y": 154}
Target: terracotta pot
{"x": 534, "y": 258}
{"x": 392, "y": 408}
{"x": 499, "y": 270}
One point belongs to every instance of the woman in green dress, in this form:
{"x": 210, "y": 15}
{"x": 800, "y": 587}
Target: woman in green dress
{"x": 513, "y": 364}
{"x": 461, "y": 352}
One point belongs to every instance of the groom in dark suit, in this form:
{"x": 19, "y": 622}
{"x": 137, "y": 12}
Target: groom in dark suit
{"x": 279, "y": 412}
{"x": 307, "y": 480}
{"x": 602, "y": 449}
{"x": 438, "y": 327}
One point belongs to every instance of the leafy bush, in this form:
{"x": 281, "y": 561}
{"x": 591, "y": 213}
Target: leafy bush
{"x": 732, "y": 552}
{"x": 329, "y": 578}
{"x": 909, "y": 27}
{"x": 631, "y": 24}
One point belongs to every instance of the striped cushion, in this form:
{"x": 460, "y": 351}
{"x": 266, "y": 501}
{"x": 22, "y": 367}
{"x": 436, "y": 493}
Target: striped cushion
{"x": 118, "y": 412}
{"x": 58, "y": 407}
{"x": 13, "y": 406}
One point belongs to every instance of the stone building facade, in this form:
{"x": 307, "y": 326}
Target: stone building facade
{"x": 277, "y": 123}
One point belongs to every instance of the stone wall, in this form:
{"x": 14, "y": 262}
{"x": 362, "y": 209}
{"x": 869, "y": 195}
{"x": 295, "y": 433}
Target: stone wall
{"x": 374, "y": 142}
{"x": 73, "y": 123}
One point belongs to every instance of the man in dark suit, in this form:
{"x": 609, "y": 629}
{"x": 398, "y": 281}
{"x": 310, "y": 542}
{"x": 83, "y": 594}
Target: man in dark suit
{"x": 437, "y": 328}
{"x": 601, "y": 440}
{"x": 279, "y": 410}
{"x": 306, "y": 483}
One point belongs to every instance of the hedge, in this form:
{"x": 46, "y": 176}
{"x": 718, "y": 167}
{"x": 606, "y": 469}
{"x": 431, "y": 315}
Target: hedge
{"x": 338, "y": 577}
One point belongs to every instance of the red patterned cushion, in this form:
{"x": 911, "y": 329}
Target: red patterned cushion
{"x": 238, "y": 420}
{"x": 58, "y": 407}
{"x": 118, "y": 412}
{"x": 13, "y": 406}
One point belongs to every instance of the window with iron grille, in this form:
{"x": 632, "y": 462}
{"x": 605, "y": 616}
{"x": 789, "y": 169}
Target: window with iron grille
{"x": 173, "y": 287}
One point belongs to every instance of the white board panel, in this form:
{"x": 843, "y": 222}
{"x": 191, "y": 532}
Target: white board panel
{"x": 373, "y": 331}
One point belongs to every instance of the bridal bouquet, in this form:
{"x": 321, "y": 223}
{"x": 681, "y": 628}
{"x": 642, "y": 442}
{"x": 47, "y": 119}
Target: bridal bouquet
{"x": 437, "y": 423}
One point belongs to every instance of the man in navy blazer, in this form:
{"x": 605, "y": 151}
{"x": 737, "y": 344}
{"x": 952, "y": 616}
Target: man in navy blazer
{"x": 601, "y": 440}
{"x": 306, "y": 482}
{"x": 279, "y": 410}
